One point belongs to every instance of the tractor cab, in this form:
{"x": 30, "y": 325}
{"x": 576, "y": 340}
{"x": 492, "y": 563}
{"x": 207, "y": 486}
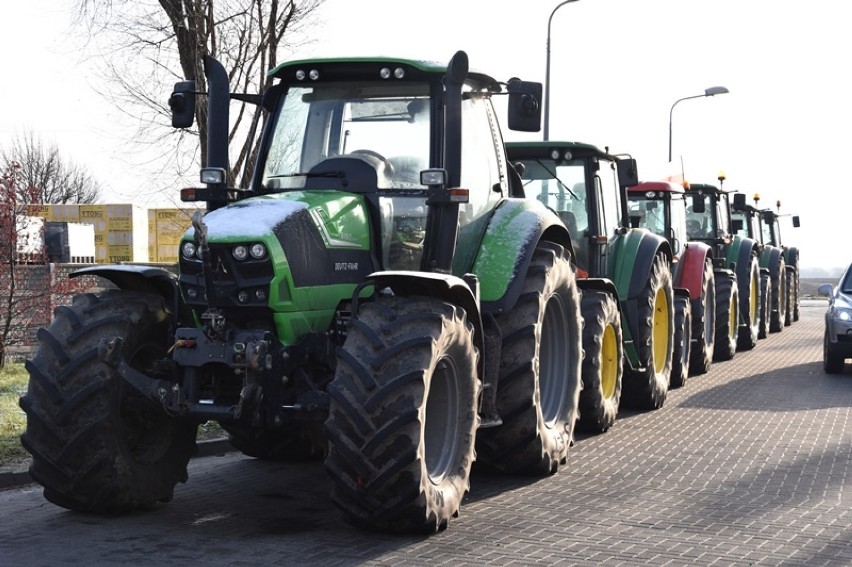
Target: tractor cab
{"x": 708, "y": 217}
{"x": 660, "y": 206}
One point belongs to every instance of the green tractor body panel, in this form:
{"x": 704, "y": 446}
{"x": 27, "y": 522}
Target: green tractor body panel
{"x": 504, "y": 253}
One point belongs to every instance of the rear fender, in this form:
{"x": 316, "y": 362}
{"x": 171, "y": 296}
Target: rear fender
{"x": 513, "y": 232}
{"x": 747, "y": 248}
{"x": 689, "y": 271}
{"x": 445, "y": 287}
{"x": 770, "y": 259}
{"x": 145, "y": 279}
{"x": 791, "y": 257}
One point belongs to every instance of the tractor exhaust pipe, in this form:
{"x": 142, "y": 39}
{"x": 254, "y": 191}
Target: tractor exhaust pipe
{"x": 218, "y": 103}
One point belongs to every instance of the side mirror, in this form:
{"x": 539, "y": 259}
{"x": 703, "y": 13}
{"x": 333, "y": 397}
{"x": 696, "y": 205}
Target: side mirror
{"x": 768, "y": 217}
{"x": 634, "y": 221}
{"x": 182, "y": 103}
{"x": 739, "y": 202}
{"x": 698, "y": 204}
{"x": 736, "y": 225}
{"x": 825, "y": 289}
{"x": 628, "y": 174}
{"x": 524, "y": 105}
{"x": 796, "y": 221}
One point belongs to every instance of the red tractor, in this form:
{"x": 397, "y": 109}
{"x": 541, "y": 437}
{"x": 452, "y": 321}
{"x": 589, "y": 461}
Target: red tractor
{"x": 660, "y": 206}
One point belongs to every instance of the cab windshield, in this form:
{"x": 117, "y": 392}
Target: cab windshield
{"x": 386, "y": 123}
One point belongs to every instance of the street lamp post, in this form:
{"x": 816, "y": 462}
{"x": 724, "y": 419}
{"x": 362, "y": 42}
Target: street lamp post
{"x": 712, "y": 91}
{"x": 547, "y": 74}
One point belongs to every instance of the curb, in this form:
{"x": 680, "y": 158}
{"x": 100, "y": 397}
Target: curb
{"x": 213, "y": 447}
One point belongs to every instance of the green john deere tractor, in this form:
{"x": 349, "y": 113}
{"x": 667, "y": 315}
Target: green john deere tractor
{"x": 771, "y": 225}
{"x": 625, "y": 275}
{"x": 380, "y": 296}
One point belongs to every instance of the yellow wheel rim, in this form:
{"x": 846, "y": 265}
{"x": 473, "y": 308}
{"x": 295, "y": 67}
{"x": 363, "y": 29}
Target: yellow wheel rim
{"x": 609, "y": 362}
{"x": 733, "y": 318}
{"x": 755, "y": 286}
{"x": 661, "y": 331}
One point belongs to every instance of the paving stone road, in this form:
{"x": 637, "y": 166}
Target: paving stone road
{"x": 746, "y": 465}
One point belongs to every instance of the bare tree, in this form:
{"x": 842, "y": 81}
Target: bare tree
{"x": 155, "y": 43}
{"x": 30, "y": 287}
{"x": 42, "y": 167}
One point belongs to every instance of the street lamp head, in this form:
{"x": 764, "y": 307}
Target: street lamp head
{"x": 713, "y": 91}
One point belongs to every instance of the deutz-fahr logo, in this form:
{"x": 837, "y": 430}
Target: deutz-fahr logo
{"x": 345, "y": 266}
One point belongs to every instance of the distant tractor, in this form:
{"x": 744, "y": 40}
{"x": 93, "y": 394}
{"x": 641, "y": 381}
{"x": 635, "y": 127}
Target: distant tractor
{"x": 736, "y": 268}
{"x": 624, "y": 275}
{"x": 660, "y": 206}
{"x": 770, "y": 222}
{"x": 747, "y": 222}
{"x": 380, "y": 297}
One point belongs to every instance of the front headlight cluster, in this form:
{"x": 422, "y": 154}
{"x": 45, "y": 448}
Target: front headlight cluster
{"x": 842, "y": 314}
{"x": 240, "y": 252}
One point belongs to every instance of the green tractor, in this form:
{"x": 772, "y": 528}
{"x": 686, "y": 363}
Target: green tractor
{"x": 736, "y": 269}
{"x": 749, "y": 222}
{"x": 625, "y": 275}
{"x": 771, "y": 225}
{"x": 660, "y": 206}
{"x": 380, "y": 296}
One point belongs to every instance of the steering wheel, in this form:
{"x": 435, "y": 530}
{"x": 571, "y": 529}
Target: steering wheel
{"x": 388, "y": 166}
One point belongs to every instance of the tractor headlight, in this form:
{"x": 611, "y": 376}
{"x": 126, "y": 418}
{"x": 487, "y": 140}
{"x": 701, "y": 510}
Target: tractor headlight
{"x": 257, "y": 251}
{"x": 188, "y": 250}
{"x": 240, "y": 252}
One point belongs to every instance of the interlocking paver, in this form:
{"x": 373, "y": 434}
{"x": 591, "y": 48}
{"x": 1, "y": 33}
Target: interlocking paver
{"x": 746, "y": 465}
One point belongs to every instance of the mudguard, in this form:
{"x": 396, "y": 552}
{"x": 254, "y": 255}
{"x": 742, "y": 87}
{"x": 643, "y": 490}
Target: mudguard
{"x": 632, "y": 257}
{"x": 445, "y": 287}
{"x": 514, "y": 230}
{"x": 147, "y": 279}
{"x": 743, "y": 248}
{"x": 770, "y": 257}
{"x": 689, "y": 270}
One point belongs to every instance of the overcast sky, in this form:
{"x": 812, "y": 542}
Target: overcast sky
{"x": 617, "y": 67}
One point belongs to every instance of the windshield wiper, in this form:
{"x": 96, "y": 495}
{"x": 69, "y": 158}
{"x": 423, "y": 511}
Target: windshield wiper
{"x": 556, "y": 177}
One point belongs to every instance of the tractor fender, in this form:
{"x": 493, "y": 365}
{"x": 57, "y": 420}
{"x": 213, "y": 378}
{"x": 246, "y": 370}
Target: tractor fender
{"x": 770, "y": 258}
{"x": 689, "y": 270}
{"x": 791, "y": 257}
{"x": 599, "y": 284}
{"x": 147, "y": 279}
{"x": 513, "y": 232}
{"x": 744, "y": 249}
{"x": 446, "y": 287}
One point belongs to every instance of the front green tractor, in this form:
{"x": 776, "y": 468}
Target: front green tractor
{"x": 378, "y": 297}
{"x": 625, "y": 273}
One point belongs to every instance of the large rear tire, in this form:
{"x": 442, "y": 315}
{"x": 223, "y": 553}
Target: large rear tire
{"x": 777, "y": 296}
{"x": 646, "y": 388}
{"x": 539, "y": 385}
{"x": 727, "y": 317}
{"x": 749, "y": 309}
{"x": 97, "y": 445}
{"x": 682, "y": 342}
{"x": 703, "y": 323}
{"x": 403, "y": 415}
{"x": 603, "y": 362}
{"x": 792, "y": 284}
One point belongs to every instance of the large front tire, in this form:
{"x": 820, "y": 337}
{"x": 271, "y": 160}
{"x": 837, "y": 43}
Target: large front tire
{"x": 777, "y": 296}
{"x": 97, "y": 445}
{"x": 703, "y": 323}
{"x": 727, "y": 317}
{"x": 603, "y": 362}
{"x": 763, "y": 327}
{"x": 682, "y": 342}
{"x": 403, "y": 415}
{"x": 646, "y": 388}
{"x": 540, "y": 379}
{"x": 749, "y": 308}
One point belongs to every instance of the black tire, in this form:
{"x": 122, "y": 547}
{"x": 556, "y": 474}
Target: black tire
{"x": 97, "y": 445}
{"x": 727, "y": 316}
{"x": 777, "y": 296}
{"x": 703, "y": 323}
{"x": 603, "y": 362}
{"x": 539, "y": 385}
{"x": 797, "y": 296}
{"x": 749, "y": 308}
{"x": 832, "y": 363}
{"x": 791, "y": 283}
{"x": 763, "y": 327}
{"x": 682, "y": 342}
{"x": 646, "y": 388}
{"x": 403, "y": 415}
{"x": 294, "y": 443}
